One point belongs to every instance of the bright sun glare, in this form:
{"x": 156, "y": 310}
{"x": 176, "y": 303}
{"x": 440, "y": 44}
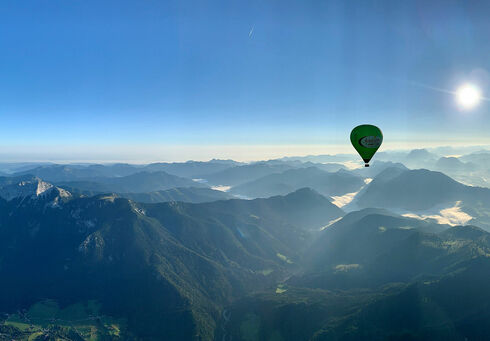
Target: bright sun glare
{"x": 468, "y": 96}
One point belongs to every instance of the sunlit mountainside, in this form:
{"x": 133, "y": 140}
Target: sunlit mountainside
{"x": 306, "y": 248}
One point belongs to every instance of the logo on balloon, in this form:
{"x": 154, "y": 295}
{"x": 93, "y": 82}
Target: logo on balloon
{"x": 370, "y": 141}
{"x": 366, "y": 139}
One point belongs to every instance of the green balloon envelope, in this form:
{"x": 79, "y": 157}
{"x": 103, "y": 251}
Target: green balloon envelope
{"x": 366, "y": 139}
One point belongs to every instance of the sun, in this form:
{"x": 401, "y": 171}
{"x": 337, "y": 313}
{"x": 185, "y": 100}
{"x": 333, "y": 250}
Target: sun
{"x": 468, "y": 96}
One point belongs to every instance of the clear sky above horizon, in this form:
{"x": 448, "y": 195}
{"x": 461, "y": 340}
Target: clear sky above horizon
{"x": 91, "y": 76}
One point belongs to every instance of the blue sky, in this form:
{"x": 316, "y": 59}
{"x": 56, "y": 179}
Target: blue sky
{"x": 81, "y": 76}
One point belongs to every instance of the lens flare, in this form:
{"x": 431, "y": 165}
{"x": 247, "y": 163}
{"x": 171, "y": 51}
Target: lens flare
{"x": 468, "y": 96}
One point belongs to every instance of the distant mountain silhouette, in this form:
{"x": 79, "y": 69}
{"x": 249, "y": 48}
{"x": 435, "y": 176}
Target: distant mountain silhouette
{"x": 327, "y": 184}
{"x": 320, "y": 158}
{"x": 242, "y": 174}
{"x": 134, "y": 183}
{"x": 185, "y": 194}
{"x": 59, "y": 173}
{"x": 416, "y": 190}
{"x": 420, "y": 158}
{"x": 192, "y": 169}
{"x": 377, "y": 167}
{"x": 453, "y": 165}
{"x": 479, "y": 159}
{"x": 71, "y": 172}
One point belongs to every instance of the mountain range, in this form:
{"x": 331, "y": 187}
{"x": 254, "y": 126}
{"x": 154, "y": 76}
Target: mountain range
{"x": 153, "y": 252}
{"x": 328, "y": 184}
{"x": 135, "y": 183}
{"x": 376, "y": 276}
{"x": 71, "y": 172}
{"x": 183, "y": 264}
{"x": 417, "y": 190}
{"x": 184, "y": 194}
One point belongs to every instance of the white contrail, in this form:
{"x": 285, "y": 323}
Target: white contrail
{"x": 421, "y": 85}
{"x": 251, "y": 31}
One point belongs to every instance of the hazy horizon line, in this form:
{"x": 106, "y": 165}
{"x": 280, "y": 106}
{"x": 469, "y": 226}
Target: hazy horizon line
{"x": 183, "y": 153}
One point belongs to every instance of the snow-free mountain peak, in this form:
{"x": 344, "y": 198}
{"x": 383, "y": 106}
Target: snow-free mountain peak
{"x": 28, "y": 187}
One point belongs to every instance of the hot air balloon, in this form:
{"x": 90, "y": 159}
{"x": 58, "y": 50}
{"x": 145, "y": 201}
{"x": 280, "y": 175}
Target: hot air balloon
{"x": 366, "y": 139}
